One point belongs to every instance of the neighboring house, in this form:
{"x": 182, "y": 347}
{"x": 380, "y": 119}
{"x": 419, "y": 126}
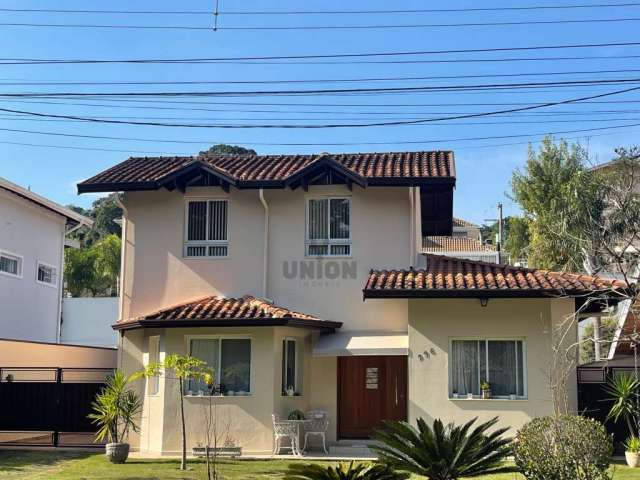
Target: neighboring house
{"x": 460, "y": 247}
{"x": 33, "y": 235}
{"x": 290, "y": 274}
{"x": 464, "y": 229}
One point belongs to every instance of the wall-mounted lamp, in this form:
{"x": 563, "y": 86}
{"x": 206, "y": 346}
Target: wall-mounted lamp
{"x": 484, "y": 302}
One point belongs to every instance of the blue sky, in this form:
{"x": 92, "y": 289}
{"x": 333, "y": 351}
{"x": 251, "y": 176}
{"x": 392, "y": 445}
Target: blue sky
{"x": 484, "y": 169}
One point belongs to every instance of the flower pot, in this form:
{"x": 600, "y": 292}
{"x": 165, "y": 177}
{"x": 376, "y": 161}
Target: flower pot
{"x": 633, "y": 459}
{"x": 117, "y": 452}
{"x": 486, "y": 394}
{"x": 470, "y": 396}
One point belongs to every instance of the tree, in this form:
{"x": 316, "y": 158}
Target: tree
{"x": 184, "y": 368}
{"x": 560, "y": 198}
{"x": 587, "y": 346}
{"x": 94, "y": 270}
{"x": 104, "y": 212}
{"x": 517, "y": 239}
{"x": 224, "y": 149}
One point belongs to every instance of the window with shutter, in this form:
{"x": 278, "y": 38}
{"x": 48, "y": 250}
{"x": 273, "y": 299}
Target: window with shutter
{"x": 206, "y": 228}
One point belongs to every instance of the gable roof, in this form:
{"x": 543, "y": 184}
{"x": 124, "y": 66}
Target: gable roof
{"x": 435, "y": 244}
{"x": 278, "y": 171}
{"x": 71, "y": 216}
{"x": 226, "y": 312}
{"x": 447, "y": 277}
{"x": 461, "y": 223}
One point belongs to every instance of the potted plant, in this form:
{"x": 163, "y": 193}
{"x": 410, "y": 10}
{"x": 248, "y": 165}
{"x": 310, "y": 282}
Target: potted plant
{"x": 296, "y": 415}
{"x": 632, "y": 451}
{"x": 114, "y": 412}
{"x": 486, "y": 390}
{"x": 455, "y": 394}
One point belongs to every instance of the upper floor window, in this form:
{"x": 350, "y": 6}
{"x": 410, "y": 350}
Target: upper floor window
{"x": 206, "y": 229}
{"x": 328, "y": 227}
{"x": 10, "y": 264}
{"x": 500, "y": 363}
{"x": 46, "y": 274}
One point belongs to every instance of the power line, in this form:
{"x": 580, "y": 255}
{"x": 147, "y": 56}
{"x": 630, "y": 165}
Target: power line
{"x": 322, "y": 27}
{"x": 321, "y": 12}
{"x": 330, "y": 55}
{"x": 291, "y": 126}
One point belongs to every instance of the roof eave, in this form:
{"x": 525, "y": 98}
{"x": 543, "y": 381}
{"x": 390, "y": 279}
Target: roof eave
{"x": 324, "y": 325}
{"x": 489, "y": 293}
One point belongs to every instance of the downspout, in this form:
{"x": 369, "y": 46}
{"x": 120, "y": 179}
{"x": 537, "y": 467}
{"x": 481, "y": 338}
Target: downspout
{"x": 412, "y": 221}
{"x": 65, "y": 233}
{"x": 266, "y": 245}
{"x": 123, "y": 263}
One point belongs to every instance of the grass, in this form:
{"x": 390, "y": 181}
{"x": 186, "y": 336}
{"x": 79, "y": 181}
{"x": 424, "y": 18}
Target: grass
{"x": 40, "y": 465}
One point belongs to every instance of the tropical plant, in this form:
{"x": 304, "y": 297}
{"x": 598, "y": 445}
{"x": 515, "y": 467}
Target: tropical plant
{"x": 296, "y": 415}
{"x": 115, "y": 409}
{"x": 624, "y": 390}
{"x": 184, "y": 368}
{"x": 565, "y": 447}
{"x": 94, "y": 270}
{"x": 443, "y": 452}
{"x": 632, "y": 444}
{"x": 361, "y": 471}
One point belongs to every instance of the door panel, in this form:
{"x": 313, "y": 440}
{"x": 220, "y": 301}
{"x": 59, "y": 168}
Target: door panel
{"x": 370, "y": 389}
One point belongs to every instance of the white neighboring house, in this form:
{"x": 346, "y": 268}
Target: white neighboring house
{"x": 33, "y": 235}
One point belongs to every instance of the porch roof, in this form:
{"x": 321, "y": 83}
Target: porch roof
{"x": 448, "y": 277}
{"x": 216, "y": 311}
{"x": 361, "y": 343}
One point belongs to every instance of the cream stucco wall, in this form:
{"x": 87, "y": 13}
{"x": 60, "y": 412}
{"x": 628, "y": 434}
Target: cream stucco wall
{"x": 156, "y": 275}
{"x": 433, "y": 323}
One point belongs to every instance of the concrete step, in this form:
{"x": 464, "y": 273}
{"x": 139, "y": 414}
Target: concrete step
{"x": 352, "y": 448}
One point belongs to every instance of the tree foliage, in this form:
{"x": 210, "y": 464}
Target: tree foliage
{"x": 587, "y": 346}
{"x": 93, "y": 271}
{"x": 560, "y": 198}
{"x": 104, "y": 212}
{"x": 224, "y": 149}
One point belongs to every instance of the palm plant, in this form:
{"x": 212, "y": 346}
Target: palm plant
{"x": 443, "y": 452}
{"x": 624, "y": 390}
{"x": 115, "y": 409}
{"x": 361, "y": 471}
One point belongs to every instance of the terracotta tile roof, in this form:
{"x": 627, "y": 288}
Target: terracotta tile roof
{"x": 460, "y": 223}
{"x": 435, "y": 244}
{"x": 453, "y": 277}
{"x": 255, "y": 170}
{"x": 225, "y": 311}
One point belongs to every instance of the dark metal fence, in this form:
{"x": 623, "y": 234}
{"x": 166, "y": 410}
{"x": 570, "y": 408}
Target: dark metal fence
{"x": 594, "y": 402}
{"x": 48, "y": 406}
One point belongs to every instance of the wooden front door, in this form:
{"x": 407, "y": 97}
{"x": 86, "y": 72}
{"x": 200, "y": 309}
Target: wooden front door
{"x": 370, "y": 389}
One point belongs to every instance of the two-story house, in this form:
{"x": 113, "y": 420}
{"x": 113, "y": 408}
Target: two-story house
{"x": 293, "y": 277}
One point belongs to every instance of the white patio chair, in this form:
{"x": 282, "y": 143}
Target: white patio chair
{"x": 316, "y": 423}
{"x": 285, "y": 429}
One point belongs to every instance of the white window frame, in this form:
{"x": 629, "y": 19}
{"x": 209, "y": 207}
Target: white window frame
{"x": 329, "y": 241}
{"x": 13, "y": 256}
{"x": 153, "y": 382}
{"x": 525, "y": 390}
{"x": 217, "y": 373}
{"x": 204, "y": 243}
{"x": 285, "y": 357}
{"x": 53, "y": 284}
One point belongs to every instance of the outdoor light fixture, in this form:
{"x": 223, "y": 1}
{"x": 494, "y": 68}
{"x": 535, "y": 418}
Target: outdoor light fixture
{"x": 484, "y": 302}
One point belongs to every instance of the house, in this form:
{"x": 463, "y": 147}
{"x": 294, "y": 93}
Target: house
{"x": 465, "y": 229}
{"x": 291, "y": 275}
{"x": 33, "y": 234}
{"x": 460, "y": 247}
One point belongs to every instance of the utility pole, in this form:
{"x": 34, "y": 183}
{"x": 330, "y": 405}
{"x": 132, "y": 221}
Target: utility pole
{"x": 500, "y": 226}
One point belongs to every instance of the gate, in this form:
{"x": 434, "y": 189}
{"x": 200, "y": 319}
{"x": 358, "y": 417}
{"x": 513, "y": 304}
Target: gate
{"x": 48, "y": 406}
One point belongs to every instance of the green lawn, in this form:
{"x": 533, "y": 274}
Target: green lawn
{"x": 77, "y": 466}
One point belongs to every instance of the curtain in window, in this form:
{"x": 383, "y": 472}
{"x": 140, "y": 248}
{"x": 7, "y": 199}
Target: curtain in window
{"x": 235, "y": 368}
{"x": 206, "y": 349}
{"x": 197, "y": 221}
{"x": 502, "y": 368}
{"x": 318, "y": 215}
{"x": 288, "y": 364}
{"x": 339, "y": 219}
{"x": 465, "y": 366}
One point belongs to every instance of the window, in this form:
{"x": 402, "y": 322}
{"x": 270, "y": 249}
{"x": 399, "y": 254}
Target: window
{"x": 206, "y": 229}
{"x": 498, "y": 362}
{"x": 290, "y": 366}
{"x": 230, "y": 359}
{"x": 328, "y": 227}
{"x": 46, "y": 274}
{"x": 153, "y": 382}
{"x": 10, "y": 264}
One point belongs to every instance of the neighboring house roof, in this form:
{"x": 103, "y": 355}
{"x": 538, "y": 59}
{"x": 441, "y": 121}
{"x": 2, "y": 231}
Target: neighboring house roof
{"x": 436, "y": 244}
{"x": 225, "y": 311}
{"x": 277, "y": 171}
{"x": 460, "y": 223}
{"x": 455, "y": 277}
{"x": 70, "y": 215}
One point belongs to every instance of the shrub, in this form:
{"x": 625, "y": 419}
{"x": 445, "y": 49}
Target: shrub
{"x": 341, "y": 472}
{"x": 443, "y": 452}
{"x": 563, "y": 448}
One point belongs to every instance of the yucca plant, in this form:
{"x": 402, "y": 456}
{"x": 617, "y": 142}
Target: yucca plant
{"x": 361, "y": 471}
{"x": 443, "y": 452}
{"x": 624, "y": 390}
